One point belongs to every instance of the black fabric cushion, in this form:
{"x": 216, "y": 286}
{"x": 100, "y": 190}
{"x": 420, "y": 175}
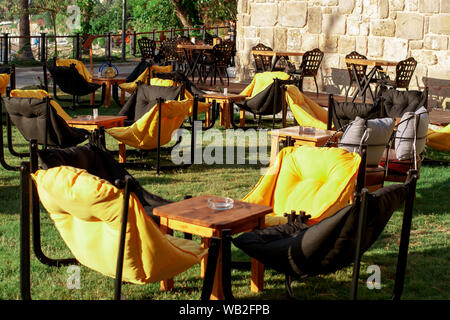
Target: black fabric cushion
{"x": 299, "y": 250}
{"x": 266, "y": 102}
{"x": 101, "y": 164}
{"x": 396, "y": 103}
{"x": 144, "y": 98}
{"x": 70, "y": 81}
{"x": 137, "y": 71}
{"x": 6, "y": 70}
{"x": 29, "y": 115}
{"x": 345, "y": 112}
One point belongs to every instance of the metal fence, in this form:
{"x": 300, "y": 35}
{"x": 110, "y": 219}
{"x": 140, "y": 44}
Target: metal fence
{"x": 43, "y": 46}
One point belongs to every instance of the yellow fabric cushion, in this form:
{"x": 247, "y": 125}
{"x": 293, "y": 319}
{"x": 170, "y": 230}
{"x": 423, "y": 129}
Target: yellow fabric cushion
{"x": 262, "y": 81}
{"x": 439, "y": 139}
{"x": 319, "y": 181}
{"x": 4, "y": 81}
{"x": 306, "y": 112}
{"x": 79, "y": 65}
{"x": 87, "y": 211}
{"x": 143, "y": 134}
{"x": 40, "y": 94}
{"x": 131, "y": 86}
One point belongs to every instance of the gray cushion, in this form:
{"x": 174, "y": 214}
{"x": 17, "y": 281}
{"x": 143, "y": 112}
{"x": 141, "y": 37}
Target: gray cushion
{"x": 376, "y": 138}
{"x": 404, "y": 137}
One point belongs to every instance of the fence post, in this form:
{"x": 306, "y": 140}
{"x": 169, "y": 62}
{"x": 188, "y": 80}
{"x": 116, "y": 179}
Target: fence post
{"x": 171, "y": 34}
{"x": 108, "y": 46}
{"x": 43, "y": 47}
{"x": 204, "y": 33}
{"x": 124, "y": 30}
{"x": 153, "y": 34}
{"x": 187, "y": 32}
{"x": 133, "y": 43}
{"x": 5, "y": 48}
{"x": 217, "y": 31}
{"x": 77, "y": 47}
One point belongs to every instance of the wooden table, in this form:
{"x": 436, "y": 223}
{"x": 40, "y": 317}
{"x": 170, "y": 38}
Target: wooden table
{"x": 318, "y": 138}
{"x": 109, "y": 82}
{"x": 90, "y": 123}
{"x": 364, "y": 83}
{"x": 276, "y": 55}
{"x": 195, "y": 217}
{"x": 224, "y": 101}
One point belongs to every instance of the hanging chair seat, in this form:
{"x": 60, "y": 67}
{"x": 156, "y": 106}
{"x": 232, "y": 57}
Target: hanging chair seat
{"x": 4, "y": 81}
{"x": 318, "y": 181}
{"x": 86, "y": 211}
{"x": 439, "y": 139}
{"x": 70, "y": 81}
{"x": 300, "y": 250}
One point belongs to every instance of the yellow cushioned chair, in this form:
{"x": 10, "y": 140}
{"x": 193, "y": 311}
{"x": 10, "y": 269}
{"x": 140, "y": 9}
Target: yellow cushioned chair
{"x": 4, "y": 81}
{"x": 318, "y": 181}
{"x": 262, "y": 81}
{"x": 306, "y": 112}
{"x": 129, "y": 87}
{"x": 439, "y": 139}
{"x": 79, "y": 65}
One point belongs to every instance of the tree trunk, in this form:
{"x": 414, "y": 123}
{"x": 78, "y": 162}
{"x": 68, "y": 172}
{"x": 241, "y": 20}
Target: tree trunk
{"x": 181, "y": 13}
{"x": 25, "y": 52}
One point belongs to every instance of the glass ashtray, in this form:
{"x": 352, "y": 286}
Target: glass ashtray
{"x": 307, "y": 130}
{"x": 220, "y": 203}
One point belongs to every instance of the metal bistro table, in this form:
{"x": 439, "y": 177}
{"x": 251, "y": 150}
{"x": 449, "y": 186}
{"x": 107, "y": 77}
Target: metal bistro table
{"x": 193, "y": 64}
{"x": 276, "y": 55}
{"x": 364, "y": 82}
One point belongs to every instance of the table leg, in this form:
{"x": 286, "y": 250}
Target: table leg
{"x": 122, "y": 97}
{"x": 207, "y": 118}
{"x": 217, "y": 290}
{"x": 257, "y": 283}
{"x": 122, "y": 152}
{"x": 242, "y": 118}
{"x": 165, "y": 285}
{"x": 225, "y": 114}
{"x": 205, "y": 244}
{"x": 92, "y": 98}
{"x": 108, "y": 94}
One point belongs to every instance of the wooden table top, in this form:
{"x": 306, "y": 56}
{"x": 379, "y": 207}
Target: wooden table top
{"x": 196, "y": 211}
{"x": 369, "y": 62}
{"x": 277, "y": 53}
{"x": 90, "y": 120}
{"x": 118, "y": 79}
{"x": 294, "y": 132}
{"x": 230, "y": 96}
{"x": 195, "y": 46}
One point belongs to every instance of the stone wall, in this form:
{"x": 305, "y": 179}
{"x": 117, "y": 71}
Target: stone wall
{"x": 380, "y": 29}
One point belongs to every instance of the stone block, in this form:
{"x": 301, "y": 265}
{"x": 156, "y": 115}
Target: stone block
{"x": 375, "y": 47}
{"x": 294, "y": 39}
{"x": 382, "y": 28}
{"x": 409, "y": 26}
{"x": 250, "y": 32}
{"x": 445, "y": 6}
{"x": 346, "y": 44}
{"x": 314, "y": 20}
{"x": 266, "y": 35}
{"x": 440, "y": 24}
{"x": 280, "y": 38}
{"x": 383, "y": 9}
{"x": 346, "y": 6}
{"x": 263, "y": 14}
{"x": 292, "y": 14}
{"x": 395, "y": 49}
{"x": 417, "y": 44}
{"x": 353, "y": 27}
{"x": 435, "y": 42}
{"x": 310, "y": 41}
{"x": 396, "y": 5}
{"x": 424, "y": 57}
{"x": 429, "y": 6}
{"x": 361, "y": 45}
{"x": 328, "y": 43}
{"x": 333, "y": 24}
{"x": 412, "y": 5}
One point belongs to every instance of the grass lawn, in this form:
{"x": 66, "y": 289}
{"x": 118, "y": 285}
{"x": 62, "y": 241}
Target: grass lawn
{"x": 427, "y": 274}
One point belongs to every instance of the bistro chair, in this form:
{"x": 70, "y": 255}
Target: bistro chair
{"x": 147, "y": 48}
{"x": 263, "y": 63}
{"x": 309, "y": 67}
{"x": 218, "y": 61}
{"x": 105, "y": 227}
{"x": 403, "y": 74}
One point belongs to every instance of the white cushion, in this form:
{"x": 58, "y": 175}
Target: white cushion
{"x": 404, "y": 137}
{"x": 376, "y": 139}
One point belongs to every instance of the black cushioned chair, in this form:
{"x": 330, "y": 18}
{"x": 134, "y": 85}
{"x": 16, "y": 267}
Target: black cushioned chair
{"x": 300, "y": 250}
{"x": 70, "y": 81}
{"x": 37, "y": 119}
{"x": 268, "y": 102}
{"x": 309, "y": 67}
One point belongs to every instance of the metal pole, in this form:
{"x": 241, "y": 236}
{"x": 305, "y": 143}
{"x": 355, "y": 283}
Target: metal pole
{"x": 5, "y": 48}
{"x": 133, "y": 44}
{"x": 43, "y": 47}
{"x": 124, "y": 29}
{"x": 77, "y": 47}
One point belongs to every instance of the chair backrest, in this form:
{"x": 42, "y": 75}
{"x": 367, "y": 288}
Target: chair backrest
{"x": 147, "y": 47}
{"x": 223, "y": 52}
{"x": 37, "y": 119}
{"x": 360, "y": 70}
{"x": 311, "y": 62}
{"x": 404, "y": 72}
{"x": 394, "y": 103}
{"x": 262, "y": 63}
{"x": 169, "y": 49}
